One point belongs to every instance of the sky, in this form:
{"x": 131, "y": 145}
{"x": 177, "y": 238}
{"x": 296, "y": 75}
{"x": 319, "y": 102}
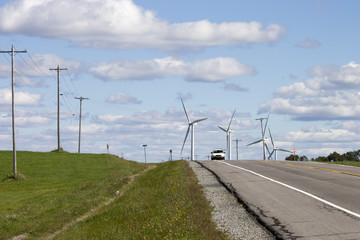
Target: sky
{"x": 297, "y": 62}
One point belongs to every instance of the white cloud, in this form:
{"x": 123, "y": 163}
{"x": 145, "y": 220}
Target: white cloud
{"x": 335, "y": 77}
{"x": 324, "y": 78}
{"x": 122, "y": 24}
{"x": 35, "y": 121}
{"x": 172, "y": 123}
{"x": 234, "y": 87}
{"x": 139, "y": 70}
{"x": 166, "y": 130}
{"x": 184, "y": 96}
{"x": 123, "y": 98}
{"x": 21, "y": 98}
{"x": 295, "y": 89}
{"x": 25, "y": 119}
{"x": 318, "y": 141}
{"x": 318, "y": 108}
{"x": 90, "y": 129}
{"x": 5, "y": 70}
{"x": 25, "y": 81}
{"x": 308, "y": 43}
{"x": 39, "y": 65}
{"x": 216, "y": 69}
{"x": 210, "y": 70}
{"x": 330, "y": 94}
{"x": 350, "y": 125}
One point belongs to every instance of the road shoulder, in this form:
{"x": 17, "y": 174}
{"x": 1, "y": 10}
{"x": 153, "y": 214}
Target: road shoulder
{"x": 229, "y": 215}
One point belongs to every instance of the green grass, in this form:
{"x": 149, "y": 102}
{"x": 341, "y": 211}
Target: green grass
{"x": 349, "y": 163}
{"x": 164, "y": 203}
{"x": 55, "y": 189}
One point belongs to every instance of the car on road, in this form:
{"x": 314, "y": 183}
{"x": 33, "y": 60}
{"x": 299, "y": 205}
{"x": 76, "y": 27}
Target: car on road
{"x": 218, "y": 154}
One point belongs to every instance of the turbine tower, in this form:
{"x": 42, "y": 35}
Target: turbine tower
{"x": 275, "y": 148}
{"x": 263, "y": 130}
{"x": 228, "y": 136}
{"x": 190, "y": 125}
{"x": 237, "y": 148}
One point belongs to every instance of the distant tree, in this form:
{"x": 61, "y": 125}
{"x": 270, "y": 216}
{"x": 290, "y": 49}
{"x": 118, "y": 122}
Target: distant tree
{"x": 357, "y": 153}
{"x": 321, "y": 159}
{"x": 291, "y": 158}
{"x": 304, "y": 158}
{"x": 352, "y": 156}
{"x": 336, "y": 157}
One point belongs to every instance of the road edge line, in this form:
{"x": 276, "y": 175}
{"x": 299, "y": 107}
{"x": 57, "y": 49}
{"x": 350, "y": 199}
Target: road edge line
{"x": 297, "y": 190}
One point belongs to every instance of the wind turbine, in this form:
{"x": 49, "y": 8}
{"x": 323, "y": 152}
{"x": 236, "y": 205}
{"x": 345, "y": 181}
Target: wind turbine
{"x": 275, "y": 148}
{"x": 228, "y": 136}
{"x": 263, "y": 130}
{"x": 190, "y": 125}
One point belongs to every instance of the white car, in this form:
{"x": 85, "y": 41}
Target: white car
{"x": 218, "y": 154}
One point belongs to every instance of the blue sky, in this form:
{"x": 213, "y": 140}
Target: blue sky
{"x": 295, "y": 60}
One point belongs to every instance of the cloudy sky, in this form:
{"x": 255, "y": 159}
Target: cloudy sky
{"x": 298, "y": 61}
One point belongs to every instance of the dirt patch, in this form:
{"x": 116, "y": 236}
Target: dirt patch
{"x": 20, "y": 237}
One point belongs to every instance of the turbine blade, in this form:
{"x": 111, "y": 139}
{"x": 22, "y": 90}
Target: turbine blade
{"x": 187, "y": 133}
{"x": 231, "y": 120}
{"x": 272, "y": 141}
{"x": 271, "y": 154}
{"x": 185, "y": 110}
{"x": 284, "y": 150}
{"x": 267, "y": 119}
{"x": 267, "y": 148}
{"x": 254, "y": 142}
{"x": 199, "y": 120}
{"x": 222, "y": 128}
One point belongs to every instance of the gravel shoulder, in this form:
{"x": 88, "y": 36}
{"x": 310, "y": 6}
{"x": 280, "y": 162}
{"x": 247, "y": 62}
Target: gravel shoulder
{"x": 228, "y": 214}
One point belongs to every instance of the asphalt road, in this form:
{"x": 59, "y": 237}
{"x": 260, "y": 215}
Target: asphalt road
{"x": 297, "y": 199}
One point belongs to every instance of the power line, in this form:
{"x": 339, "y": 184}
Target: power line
{"x": 66, "y": 104}
{"x": 7, "y": 59}
{"x": 72, "y": 82}
{"x": 22, "y": 74}
{"x": 12, "y": 52}
{"x": 37, "y": 66}
{"x": 68, "y": 87}
{"x": 27, "y": 64}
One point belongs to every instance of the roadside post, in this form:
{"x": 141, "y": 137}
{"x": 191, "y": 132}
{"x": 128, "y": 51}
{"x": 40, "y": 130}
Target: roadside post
{"x": 144, "y": 146}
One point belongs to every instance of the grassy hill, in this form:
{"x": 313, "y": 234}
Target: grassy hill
{"x": 72, "y": 196}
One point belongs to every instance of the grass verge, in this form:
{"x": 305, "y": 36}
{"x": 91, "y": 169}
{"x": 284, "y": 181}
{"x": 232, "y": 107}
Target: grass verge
{"x": 56, "y": 188}
{"x": 164, "y": 203}
{"x": 349, "y": 163}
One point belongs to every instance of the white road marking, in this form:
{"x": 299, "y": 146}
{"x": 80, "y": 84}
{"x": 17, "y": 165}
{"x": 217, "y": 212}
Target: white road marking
{"x": 296, "y": 189}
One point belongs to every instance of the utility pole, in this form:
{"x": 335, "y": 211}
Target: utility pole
{"x": 12, "y": 52}
{"x": 263, "y": 133}
{"x": 58, "y": 69}
{"x": 80, "y": 98}
{"x": 237, "y": 148}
